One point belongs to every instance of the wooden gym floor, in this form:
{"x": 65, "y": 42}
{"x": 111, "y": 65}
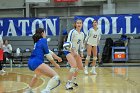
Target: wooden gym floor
{"x": 108, "y": 80}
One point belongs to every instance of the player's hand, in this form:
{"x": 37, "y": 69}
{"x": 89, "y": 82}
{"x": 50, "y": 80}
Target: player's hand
{"x": 57, "y": 66}
{"x": 82, "y": 55}
{"x": 59, "y": 59}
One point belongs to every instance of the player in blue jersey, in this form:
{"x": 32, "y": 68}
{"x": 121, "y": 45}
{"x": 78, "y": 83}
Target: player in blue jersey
{"x": 36, "y": 62}
{"x": 74, "y": 52}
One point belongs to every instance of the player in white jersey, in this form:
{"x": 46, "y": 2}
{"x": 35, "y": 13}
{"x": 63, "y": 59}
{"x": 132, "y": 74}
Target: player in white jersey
{"x": 92, "y": 40}
{"x": 76, "y": 37}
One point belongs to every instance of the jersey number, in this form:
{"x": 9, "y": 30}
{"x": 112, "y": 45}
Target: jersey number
{"x": 78, "y": 41}
{"x": 95, "y": 36}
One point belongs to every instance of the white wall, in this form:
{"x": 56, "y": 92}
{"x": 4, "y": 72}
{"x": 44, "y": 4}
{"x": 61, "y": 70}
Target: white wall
{"x": 122, "y": 7}
{"x": 128, "y": 7}
{"x": 11, "y": 13}
{"x": 67, "y": 11}
{"x": 11, "y": 4}
{"x": 11, "y": 8}
{"x": 109, "y": 9}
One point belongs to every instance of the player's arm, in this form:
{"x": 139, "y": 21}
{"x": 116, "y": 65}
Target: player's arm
{"x": 59, "y": 59}
{"x": 70, "y": 36}
{"x": 86, "y": 39}
{"x": 48, "y": 54}
{"x": 82, "y": 45}
{"x": 87, "y": 36}
{"x": 50, "y": 58}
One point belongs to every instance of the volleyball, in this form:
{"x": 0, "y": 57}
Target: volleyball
{"x": 48, "y": 39}
{"x": 67, "y": 46}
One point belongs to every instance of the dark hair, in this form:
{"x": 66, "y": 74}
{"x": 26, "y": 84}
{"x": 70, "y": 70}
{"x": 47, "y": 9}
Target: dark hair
{"x": 38, "y": 34}
{"x": 94, "y": 20}
{"x": 5, "y": 41}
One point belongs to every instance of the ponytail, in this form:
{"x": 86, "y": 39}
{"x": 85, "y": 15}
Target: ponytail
{"x": 36, "y": 37}
{"x": 38, "y": 34}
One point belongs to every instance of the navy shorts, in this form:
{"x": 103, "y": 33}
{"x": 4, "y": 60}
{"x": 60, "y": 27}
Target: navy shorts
{"x": 34, "y": 63}
{"x": 66, "y": 52}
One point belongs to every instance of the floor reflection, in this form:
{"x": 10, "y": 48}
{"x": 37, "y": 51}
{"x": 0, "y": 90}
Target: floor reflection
{"x": 16, "y": 82}
{"x": 107, "y": 80}
{"x": 120, "y": 71}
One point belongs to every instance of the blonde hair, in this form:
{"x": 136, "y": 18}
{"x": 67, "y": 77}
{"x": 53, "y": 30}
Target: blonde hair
{"x": 74, "y": 25}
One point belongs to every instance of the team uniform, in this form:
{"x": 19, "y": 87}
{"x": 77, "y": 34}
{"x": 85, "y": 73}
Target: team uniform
{"x": 37, "y": 56}
{"x": 93, "y": 37}
{"x": 73, "y": 44}
{"x": 76, "y": 39}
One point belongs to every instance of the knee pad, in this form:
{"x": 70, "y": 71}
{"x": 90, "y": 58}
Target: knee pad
{"x": 56, "y": 77}
{"x": 95, "y": 58}
{"x": 36, "y": 76}
{"x": 88, "y": 58}
{"x": 54, "y": 82}
{"x": 73, "y": 70}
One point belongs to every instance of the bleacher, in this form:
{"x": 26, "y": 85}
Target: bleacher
{"x": 26, "y": 42}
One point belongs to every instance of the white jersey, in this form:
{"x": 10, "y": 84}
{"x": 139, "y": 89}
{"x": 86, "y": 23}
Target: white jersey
{"x": 76, "y": 39}
{"x": 93, "y": 37}
{"x": 7, "y": 48}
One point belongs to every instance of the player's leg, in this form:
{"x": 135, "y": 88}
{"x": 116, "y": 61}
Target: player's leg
{"x": 32, "y": 83}
{"x": 79, "y": 67}
{"x": 35, "y": 77}
{"x": 89, "y": 49}
{"x": 94, "y": 51}
{"x": 72, "y": 62}
{"x": 44, "y": 69}
{"x": 49, "y": 72}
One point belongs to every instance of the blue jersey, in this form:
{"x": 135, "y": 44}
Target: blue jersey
{"x": 37, "y": 56}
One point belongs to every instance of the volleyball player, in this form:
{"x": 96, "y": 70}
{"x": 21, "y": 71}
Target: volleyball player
{"x": 75, "y": 37}
{"x": 36, "y": 62}
{"x": 92, "y": 41}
